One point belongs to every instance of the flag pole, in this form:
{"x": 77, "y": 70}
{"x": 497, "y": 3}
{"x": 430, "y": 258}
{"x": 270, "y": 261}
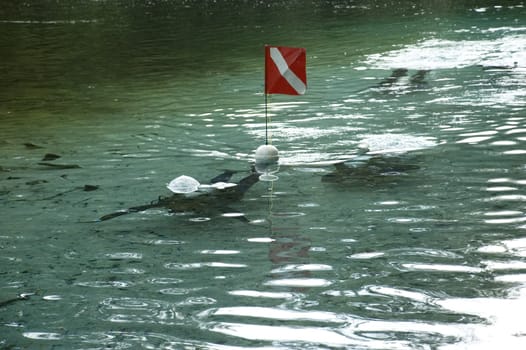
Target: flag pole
{"x": 266, "y": 97}
{"x": 266, "y": 119}
{"x": 266, "y": 157}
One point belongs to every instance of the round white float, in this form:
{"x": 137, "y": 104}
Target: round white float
{"x": 266, "y": 154}
{"x": 267, "y": 162}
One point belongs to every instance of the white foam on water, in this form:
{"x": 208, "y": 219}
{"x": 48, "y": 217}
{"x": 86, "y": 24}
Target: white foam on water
{"x": 396, "y": 143}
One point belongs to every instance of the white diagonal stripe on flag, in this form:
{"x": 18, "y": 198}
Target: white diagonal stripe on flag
{"x": 286, "y": 72}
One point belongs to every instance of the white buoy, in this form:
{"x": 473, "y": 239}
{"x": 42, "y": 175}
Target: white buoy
{"x": 267, "y": 162}
{"x": 266, "y": 154}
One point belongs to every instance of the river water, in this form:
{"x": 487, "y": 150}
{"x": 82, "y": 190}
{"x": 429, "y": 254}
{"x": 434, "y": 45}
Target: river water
{"x": 422, "y": 246}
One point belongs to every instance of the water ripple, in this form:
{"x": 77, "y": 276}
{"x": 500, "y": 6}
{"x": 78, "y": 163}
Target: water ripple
{"x": 313, "y": 335}
{"x": 277, "y": 314}
{"x": 307, "y": 336}
{"x": 440, "y": 268}
{"x": 269, "y": 295}
{"x": 124, "y": 256}
{"x": 139, "y": 310}
{"x": 304, "y": 267}
{"x": 42, "y": 335}
{"x": 105, "y": 284}
{"x": 192, "y": 266}
{"x": 299, "y": 282}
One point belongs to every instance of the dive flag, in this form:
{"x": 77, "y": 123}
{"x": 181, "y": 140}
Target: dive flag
{"x": 285, "y": 70}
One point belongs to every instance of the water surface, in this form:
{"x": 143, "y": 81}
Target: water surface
{"x": 420, "y": 249}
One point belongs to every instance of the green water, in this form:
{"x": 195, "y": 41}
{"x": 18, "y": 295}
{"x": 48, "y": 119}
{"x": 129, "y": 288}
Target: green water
{"x": 423, "y": 249}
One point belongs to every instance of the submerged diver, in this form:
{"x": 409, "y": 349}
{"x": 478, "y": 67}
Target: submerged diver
{"x": 190, "y": 196}
{"x": 395, "y": 76}
{"x": 419, "y": 77}
{"x": 400, "y": 78}
{"x": 369, "y": 168}
{"x": 382, "y": 157}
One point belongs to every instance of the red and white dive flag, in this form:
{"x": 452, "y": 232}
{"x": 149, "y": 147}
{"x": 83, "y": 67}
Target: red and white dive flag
{"x": 285, "y": 70}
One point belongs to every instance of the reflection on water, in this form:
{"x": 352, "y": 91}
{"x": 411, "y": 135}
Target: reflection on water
{"x": 396, "y": 222}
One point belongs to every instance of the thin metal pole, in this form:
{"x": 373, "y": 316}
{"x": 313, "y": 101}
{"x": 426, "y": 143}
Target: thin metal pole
{"x": 266, "y": 95}
{"x": 266, "y": 120}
